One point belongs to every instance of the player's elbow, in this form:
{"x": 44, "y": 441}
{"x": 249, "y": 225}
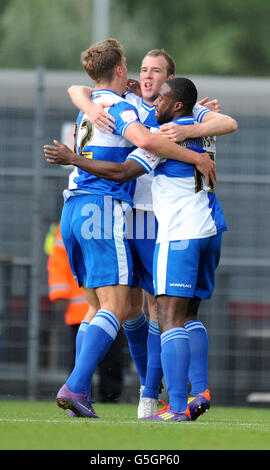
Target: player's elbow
{"x": 74, "y": 91}
{"x": 129, "y": 170}
{"x": 234, "y": 125}
{"x": 123, "y": 177}
{"x": 71, "y": 90}
{"x": 230, "y": 124}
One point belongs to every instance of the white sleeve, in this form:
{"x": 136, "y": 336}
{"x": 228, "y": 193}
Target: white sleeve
{"x": 146, "y": 159}
{"x": 199, "y": 112}
{"x": 131, "y": 98}
{"x": 209, "y": 143}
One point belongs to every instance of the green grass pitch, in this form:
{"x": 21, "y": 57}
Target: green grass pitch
{"x": 43, "y": 426}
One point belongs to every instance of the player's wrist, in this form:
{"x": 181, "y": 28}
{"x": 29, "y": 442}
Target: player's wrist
{"x": 191, "y": 131}
{"x": 74, "y": 159}
{"x": 196, "y": 157}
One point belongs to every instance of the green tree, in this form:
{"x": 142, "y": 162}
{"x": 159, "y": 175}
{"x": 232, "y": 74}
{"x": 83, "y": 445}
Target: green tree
{"x": 224, "y": 37}
{"x": 51, "y": 33}
{"x": 209, "y": 37}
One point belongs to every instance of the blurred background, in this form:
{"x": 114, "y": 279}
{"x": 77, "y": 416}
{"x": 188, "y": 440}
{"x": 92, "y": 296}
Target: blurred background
{"x": 224, "y": 48}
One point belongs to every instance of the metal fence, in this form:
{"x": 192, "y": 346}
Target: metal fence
{"x": 33, "y": 343}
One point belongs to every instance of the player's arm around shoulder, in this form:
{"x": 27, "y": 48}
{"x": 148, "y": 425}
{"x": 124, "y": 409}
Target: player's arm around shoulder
{"x": 81, "y": 97}
{"x": 217, "y": 124}
{"x": 164, "y": 147}
{"x": 60, "y": 154}
{"x": 211, "y": 123}
{"x": 155, "y": 143}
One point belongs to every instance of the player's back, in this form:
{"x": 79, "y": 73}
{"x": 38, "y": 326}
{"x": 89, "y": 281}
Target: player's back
{"x": 94, "y": 144}
{"x": 183, "y": 204}
{"x": 178, "y": 169}
{"x": 143, "y": 193}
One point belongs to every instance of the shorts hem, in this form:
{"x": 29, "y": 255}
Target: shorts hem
{"x": 106, "y": 284}
{"x": 176, "y": 294}
{"x": 179, "y": 294}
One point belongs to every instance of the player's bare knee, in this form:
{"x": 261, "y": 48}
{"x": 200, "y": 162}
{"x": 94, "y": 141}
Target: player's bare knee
{"x": 172, "y": 311}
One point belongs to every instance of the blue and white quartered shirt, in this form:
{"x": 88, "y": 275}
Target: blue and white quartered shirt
{"x": 107, "y": 146}
{"x": 142, "y": 198}
{"x": 184, "y": 205}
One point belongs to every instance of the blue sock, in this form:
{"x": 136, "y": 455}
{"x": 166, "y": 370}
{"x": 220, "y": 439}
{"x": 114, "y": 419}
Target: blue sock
{"x": 175, "y": 355}
{"x": 199, "y": 346}
{"x": 79, "y": 338}
{"x": 137, "y": 332}
{"x": 154, "y": 368}
{"x": 100, "y": 334}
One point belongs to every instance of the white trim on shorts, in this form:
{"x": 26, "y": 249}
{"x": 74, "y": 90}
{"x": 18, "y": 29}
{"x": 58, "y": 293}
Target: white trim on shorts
{"x": 162, "y": 267}
{"x": 118, "y": 233}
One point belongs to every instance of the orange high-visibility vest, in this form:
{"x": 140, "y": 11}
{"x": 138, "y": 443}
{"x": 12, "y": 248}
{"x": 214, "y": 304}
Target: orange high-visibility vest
{"x": 62, "y": 284}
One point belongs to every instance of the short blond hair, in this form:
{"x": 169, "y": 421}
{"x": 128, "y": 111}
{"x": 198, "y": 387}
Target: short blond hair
{"x": 100, "y": 59}
{"x": 171, "y": 68}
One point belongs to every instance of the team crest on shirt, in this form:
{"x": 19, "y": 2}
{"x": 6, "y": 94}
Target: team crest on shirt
{"x": 129, "y": 115}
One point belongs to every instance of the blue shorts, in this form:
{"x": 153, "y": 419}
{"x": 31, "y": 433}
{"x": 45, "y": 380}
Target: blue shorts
{"x": 92, "y": 228}
{"x": 186, "y": 268}
{"x": 141, "y": 235}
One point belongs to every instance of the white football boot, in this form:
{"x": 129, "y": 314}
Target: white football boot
{"x": 147, "y": 406}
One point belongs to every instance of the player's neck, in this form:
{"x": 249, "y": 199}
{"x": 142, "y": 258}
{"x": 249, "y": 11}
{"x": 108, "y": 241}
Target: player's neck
{"x": 114, "y": 85}
{"x": 179, "y": 114}
{"x": 149, "y": 103}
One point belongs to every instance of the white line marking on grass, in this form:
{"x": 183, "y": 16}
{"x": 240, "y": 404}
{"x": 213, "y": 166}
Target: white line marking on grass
{"x": 66, "y": 421}
{"x": 32, "y": 420}
{"x": 104, "y": 422}
{"x": 229, "y": 423}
